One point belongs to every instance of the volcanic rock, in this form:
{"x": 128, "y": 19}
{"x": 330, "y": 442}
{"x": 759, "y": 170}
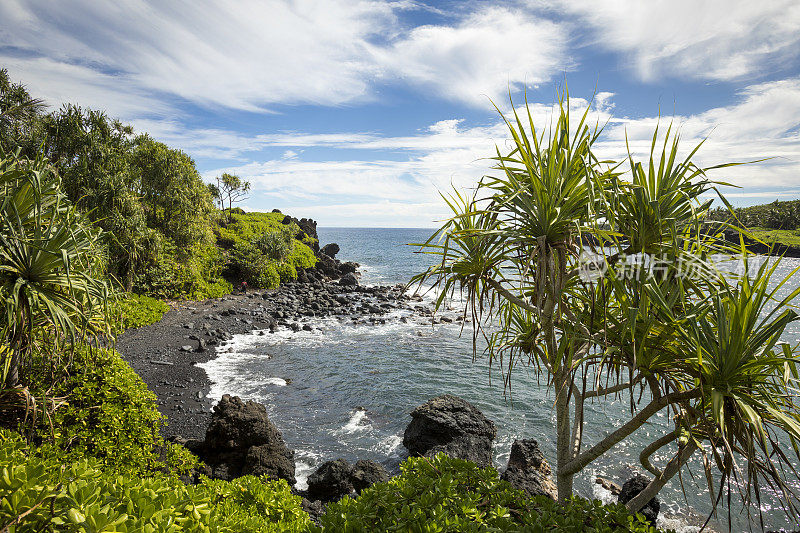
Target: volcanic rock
{"x": 453, "y": 426}
{"x": 330, "y": 250}
{"x": 241, "y": 440}
{"x": 634, "y": 486}
{"x": 528, "y": 470}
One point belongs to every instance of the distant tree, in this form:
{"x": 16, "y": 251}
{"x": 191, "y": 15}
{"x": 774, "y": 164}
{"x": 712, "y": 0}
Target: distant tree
{"x": 233, "y": 189}
{"x": 18, "y": 114}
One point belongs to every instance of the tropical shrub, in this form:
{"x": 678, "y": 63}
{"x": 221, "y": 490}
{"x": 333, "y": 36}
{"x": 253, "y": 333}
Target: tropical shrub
{"x": 39, "y": 493}
{"x": 134, "y": 311}
{"x": 108, "y": 413}
{"x": 445, "y": 494}
{"x": 50, "y": 264}
{"x": 250, "y": 504}
{"x": 262, "y": 250}
{"x": 248, "y": 263}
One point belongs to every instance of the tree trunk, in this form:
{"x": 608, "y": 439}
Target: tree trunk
{"x": 12, "y": 379}
{"x": 564, "y": 442}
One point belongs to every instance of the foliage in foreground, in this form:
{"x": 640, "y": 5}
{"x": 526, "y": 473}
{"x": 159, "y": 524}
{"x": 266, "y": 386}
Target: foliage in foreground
{"x": 107, "y": 413}
{"x": 49, "y": 267}
{"x": 38, "y": 493}
{"x": 445, "y": 494}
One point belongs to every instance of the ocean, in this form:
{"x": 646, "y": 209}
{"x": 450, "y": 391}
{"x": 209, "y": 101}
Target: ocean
{"x": 347, "y": 391}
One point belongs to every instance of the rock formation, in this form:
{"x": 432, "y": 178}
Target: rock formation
{"x": 528, "y": 470}
{"x": 453, "y": 426}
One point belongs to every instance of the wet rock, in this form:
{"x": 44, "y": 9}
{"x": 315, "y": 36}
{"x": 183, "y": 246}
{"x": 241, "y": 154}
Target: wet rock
{"x": 528, "y": 470}
{"x": 453, "y": 426}
{"x": 331, "y": 481}
{"x": 634, "y": 486}
{"x": 609, "y": 485}
{"x": 366, "y": 473}
{"x": 241, "y": 440}
{"x": 330, "y": 250}
{"x": 349, "y": 280}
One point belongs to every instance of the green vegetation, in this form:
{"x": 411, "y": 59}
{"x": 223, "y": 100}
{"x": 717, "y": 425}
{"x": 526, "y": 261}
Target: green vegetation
{"x": 776, "y": 215}
{"x": 263, "y": 251}
{"x": 104, "y": 411}
{"x": 668, "y": 331}
{"x": 49, "y": 271}
{"x": 134, "y": 311}
{"x": 40, "y": 492}
{"x": 163, "y": 236}
{"x": 445, "y": 494}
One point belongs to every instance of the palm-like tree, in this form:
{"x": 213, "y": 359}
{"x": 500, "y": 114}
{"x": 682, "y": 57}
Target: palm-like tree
{"x": 684, "y": 337}
{"x": 48, "y": 264}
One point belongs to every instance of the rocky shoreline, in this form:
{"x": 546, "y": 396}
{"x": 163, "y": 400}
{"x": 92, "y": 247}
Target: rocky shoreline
{"x": 236, "y": 438}
{"x": 166, "y": 354}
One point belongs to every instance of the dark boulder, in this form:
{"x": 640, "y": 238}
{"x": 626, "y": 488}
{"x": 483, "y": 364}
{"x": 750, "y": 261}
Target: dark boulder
{"x": 366, "y": 473}
{"x": 241, "y": 440}
{"x": 331, "y": 481}
{"x": 327, "y": 266}
{"x": 528, "y": 470}
{"x": 634, "y": 486}
{"x": 453, "y": 426}
{"x": 349, "y": 280}
{"x": 348, "y": 268}
{"x": 330, "y": 250}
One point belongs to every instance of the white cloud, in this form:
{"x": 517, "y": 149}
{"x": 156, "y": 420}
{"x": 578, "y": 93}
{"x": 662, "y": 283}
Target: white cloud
{"x": 481, "y": 56}
{"x": 250, "y": 55}
{"x": 243, "y": 56}
{"x": 764, "y": 122}
{"x": 709, "y": 39}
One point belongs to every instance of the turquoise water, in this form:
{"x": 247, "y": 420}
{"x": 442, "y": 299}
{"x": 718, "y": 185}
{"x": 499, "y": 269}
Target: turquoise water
{"x": 347, "y": 391}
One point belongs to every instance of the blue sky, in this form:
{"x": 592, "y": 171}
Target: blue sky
{"x": 356, "y": 112}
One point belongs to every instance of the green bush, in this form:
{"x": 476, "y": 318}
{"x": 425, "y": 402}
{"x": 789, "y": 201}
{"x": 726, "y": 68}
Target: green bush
{"x": 53, "y": 493}
{"x": 250, "y": 504}
{"x": 302, "y": 256}
{"x": 445, "y": 494}
{"x": 250, "y": 264}
{"x": 262, "y": 250}
{"x": 286, "y": 271}
{"x": 134, "y": 311}
{"x": 110, "y": 415}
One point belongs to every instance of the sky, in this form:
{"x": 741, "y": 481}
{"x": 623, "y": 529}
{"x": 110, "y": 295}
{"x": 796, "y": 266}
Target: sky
{"x": 361, "y": 112}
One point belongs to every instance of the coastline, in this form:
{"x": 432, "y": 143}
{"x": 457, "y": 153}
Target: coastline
{"x": 166, "y": 354}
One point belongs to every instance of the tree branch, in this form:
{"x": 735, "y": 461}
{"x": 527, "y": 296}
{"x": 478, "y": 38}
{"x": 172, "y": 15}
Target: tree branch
{"x": 651, "y": 448}
{"x": 632, "y": 425}
{"x": 616, "y": 388}
{"x": 674, "y": 465}
{"x": 508, "y": 295}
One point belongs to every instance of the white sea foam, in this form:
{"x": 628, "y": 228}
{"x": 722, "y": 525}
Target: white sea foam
{"x": 390, "y": 445}
{"x": 358, "y": 422}
{"x": 305, "y": 463}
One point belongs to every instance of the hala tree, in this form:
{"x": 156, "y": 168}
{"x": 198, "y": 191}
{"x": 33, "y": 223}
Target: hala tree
{"x": 603, "y": 281}
{"x": 50, "y": 285}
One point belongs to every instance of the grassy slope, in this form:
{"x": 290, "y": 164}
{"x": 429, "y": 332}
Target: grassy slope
{"x": 779, "y": 236}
